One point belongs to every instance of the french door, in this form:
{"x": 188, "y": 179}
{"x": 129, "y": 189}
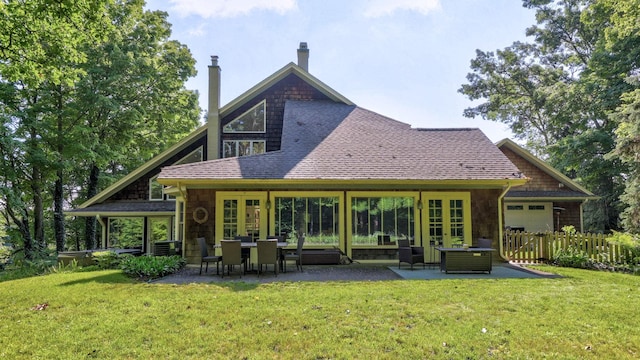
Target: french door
{"x": 241, "y": 214}
{"x": 446, "y": 220}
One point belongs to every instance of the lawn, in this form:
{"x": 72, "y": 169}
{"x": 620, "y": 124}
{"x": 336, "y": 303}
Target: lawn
{"x": 104, "y": 315}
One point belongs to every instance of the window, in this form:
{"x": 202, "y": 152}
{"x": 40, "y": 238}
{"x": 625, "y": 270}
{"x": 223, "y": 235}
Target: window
{"x": 317, "y": 218}
{"x": 515, "y": 207}
{"x": 156, "y": 190}
{"x": 373, "y": 216}
{"x": 125, "y": 233}
{"x": 233, "y": 148}
{"x": 536, "y": 207}
{"x": 251, "y": 121}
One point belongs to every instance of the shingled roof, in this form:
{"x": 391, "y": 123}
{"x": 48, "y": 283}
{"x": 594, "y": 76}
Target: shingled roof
{"x": 329, "y": 140}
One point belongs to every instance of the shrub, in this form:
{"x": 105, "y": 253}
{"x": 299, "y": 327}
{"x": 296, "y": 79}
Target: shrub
{"x": 631, "y": 245}
{"x": 106, "y": 259}
{"x": 151, "y": 267}
{"x": 571, "y": 257}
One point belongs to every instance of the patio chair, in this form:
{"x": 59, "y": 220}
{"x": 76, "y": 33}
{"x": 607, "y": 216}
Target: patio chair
{"x": 410, "y": 254}
{"x": 206, "y": 258}
{"x": 246, "y": 253}
{"x": 232, "y": 255}
{"x": 484, "y": 243}
{"x": 297, "y": 256}
{"x": 267, "y": 254}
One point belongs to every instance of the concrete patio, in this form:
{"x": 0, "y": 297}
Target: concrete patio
{"x": 360, "y": 271}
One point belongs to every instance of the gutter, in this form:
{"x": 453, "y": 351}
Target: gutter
{"x": 500, "y": 220}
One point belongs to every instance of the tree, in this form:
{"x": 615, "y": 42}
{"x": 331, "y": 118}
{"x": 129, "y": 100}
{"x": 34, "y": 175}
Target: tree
{"x": 620, "y": 50}
{"x": 87, "y": 88}
{"x": 39, "y": 48}
{"x": 553, "y": 94}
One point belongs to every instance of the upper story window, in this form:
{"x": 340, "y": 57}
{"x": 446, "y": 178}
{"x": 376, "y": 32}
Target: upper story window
{"x": 233, "y": 148}
{"x": 156, "y": 190}
{"x": 251, "y": 121}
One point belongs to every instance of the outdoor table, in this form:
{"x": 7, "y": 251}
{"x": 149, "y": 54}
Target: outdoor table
{"x": 254, "y": 245}
{"x": 472, "y": 259}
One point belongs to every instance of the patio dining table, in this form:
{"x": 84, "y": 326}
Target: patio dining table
{"x": 254, "y": 245}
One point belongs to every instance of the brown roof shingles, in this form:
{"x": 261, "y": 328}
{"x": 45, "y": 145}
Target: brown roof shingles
{"x": 327, "y": 140}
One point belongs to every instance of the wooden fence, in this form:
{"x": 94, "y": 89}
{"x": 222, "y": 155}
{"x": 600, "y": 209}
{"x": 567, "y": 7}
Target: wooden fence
{"x": 539, "y": 247}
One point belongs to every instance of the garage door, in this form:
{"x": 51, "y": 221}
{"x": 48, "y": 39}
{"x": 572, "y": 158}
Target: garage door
{"x": 533, "y": 217}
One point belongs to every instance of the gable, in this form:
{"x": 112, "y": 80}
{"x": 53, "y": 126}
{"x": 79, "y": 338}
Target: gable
{"x": 545, "y": 181}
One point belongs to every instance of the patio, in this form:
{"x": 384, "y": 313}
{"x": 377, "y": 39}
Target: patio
{"x": 362, "y": 271}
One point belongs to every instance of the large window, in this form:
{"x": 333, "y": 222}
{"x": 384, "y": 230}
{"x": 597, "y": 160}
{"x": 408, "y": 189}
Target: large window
{"x": 382, "y": 220}
{"x": 233, "y": 148}
{"x": 125, "y": 233}
{"x": 251, "y": 121}
{"x": 316, "y": 218}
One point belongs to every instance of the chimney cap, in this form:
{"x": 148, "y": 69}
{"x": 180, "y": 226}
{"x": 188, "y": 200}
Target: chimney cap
{"x": 303, "y": 45}
{"x": 214, "y": 60}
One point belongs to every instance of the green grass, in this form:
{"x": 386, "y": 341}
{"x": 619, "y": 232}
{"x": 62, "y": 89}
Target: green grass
{"x": 104, "y": 315}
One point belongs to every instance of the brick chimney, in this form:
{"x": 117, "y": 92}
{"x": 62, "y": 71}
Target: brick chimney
{"x": 303, "y": 56}
{"x": 213, "y": 111}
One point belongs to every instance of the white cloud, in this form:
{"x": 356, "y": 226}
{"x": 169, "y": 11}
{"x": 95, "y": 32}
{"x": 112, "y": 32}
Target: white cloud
{"x": 229, "y": 8}
{"x": 379, "y": 8}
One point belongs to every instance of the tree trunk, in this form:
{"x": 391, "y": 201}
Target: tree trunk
{"x": 90, "y": 222}
{"x": 58, "y": 216}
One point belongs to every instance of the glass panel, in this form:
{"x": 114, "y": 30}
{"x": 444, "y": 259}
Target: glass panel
{"x": 456, "y": 213}
{"x": 230, "y": 219}
{"x": 159, "y": 229}
{"x": 382, "y": 220}
{"x": 155, "y": 189}
{"x": 258, "y": 147}
{"x": 315, "y": 217}
{"x": 125, "y": 233}
{"x": 251, "y": 121}
{"x": 194, "y": 156}
{"x": 436, "y": 222}
{"x": 229, "y": 149}
{"x": 252, "y": 220}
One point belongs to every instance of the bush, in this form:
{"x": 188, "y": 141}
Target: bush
{"x": 151, "y": 267}
{"x": 106, "y": 260}
{"x": 571, "y": 257}
{"x": 630, "y": 243}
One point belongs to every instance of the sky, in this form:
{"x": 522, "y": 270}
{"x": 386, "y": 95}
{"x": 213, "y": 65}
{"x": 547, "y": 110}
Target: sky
{"x": 404, "y": 59}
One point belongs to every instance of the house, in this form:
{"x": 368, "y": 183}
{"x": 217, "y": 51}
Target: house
{"x": 548, "y": 202}
{"x": 293, "y": 157}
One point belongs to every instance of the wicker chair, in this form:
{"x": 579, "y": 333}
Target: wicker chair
{"x": 297, "y": 256}
{"x": 232, "y": 255}
{"x": 267, "y": 254}
{"x": 410, "y": 254}
{"x": 206, "y": 258}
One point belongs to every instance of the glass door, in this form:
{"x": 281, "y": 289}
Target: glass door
{"x": 242, "y": 214}
{"x": 446, "y": 220}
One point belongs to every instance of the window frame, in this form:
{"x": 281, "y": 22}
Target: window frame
{"x": 262, "y": 103}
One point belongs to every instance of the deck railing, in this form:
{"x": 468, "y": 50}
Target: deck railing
{"x": 524, "y": 247}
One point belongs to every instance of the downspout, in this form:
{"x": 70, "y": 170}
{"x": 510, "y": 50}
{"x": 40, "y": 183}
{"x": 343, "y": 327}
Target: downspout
{"x": 500, "y": 220}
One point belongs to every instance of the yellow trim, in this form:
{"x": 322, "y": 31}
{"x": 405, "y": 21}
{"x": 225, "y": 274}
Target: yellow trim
{"x": 310, "y": 194}
{"x": 501, "y": 204}
{"x": 446, "y": 218}
{"x": 401, "y": 194}
{"x": 120, "y": 213}
{"x": 335, "y": 184}
{"x": 221, "y": 196}
{"x": 146, "y": 167}
{"x": 542, "y": 165}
